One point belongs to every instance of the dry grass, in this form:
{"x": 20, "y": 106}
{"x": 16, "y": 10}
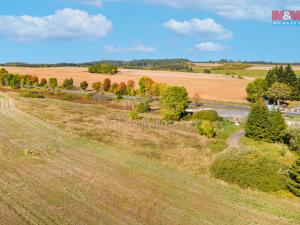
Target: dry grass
{"x": 75, "y": 180}
{"x": 206, "y": 86}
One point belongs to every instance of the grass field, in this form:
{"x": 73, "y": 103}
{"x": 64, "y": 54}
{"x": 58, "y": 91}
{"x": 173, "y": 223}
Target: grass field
{"x": 255, "y": 71}
{"x": 55, "y": 171}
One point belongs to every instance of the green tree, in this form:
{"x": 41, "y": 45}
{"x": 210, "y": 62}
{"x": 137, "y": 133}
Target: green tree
{"x": 293, "y": 181}
{"x": 206, "y": 128}
{"x": 257, "y": 125}
{"x": 84, "y": 85}
{"x": 103, "y": 68}
{"x": 68, "y": 84}
{"x": 173, "y": 103}
{"x": 256, "y": 89}
{"x": 290, "y": 76}
{"x": 280, "y": 74}
{"x": 53, "y": 83}
{"x": 277, "y": 129}
{"x": 271, "y": 77}
{"x": 145, "y": 84}
{"x": 15, "y": 82}
{"x": 279, "y": 91}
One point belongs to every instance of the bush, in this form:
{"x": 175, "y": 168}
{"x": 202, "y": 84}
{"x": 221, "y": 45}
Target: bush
{"x": 158, "y": 88}
{"x": 96, "y": 86}
{"x": 206, "y": 128}
{"x": 206, "y": 71}
{"x": 53, "y": 83}
{"x": 293, "y": 139}
{"x": 32, "y": 94}
{"x": 68, "y": 84}
{"x": 84, "y": 85}
{"x": 15, "y": 82}
{"x": 106, "y": 84}
{"x": 142, "y": 107}
{"x": 209, "y": 115}
{"x": 173, "y": 103}
{"x": 134, "y": 115}
{"x": 249, "y": 169}
{"x": 103, "y": 68}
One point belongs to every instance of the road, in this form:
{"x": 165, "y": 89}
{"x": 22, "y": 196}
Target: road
{"x": 230, "y": 111}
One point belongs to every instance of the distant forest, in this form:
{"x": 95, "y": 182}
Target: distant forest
{"x": 151, "y": 64}
{"x": 182, "y": 65}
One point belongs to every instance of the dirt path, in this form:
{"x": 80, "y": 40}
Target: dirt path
{"x": 71, "y": 180}
{"x": 234, "y": 140}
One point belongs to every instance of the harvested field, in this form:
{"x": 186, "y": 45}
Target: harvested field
{"x": 215, "y": 87}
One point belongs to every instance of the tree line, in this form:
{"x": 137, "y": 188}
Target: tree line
{"x": 150, "y": 64}
{"x": 281, "y": 83}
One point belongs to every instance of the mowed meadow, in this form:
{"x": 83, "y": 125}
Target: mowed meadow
{"x": 217, "y": 87}
{"x": 60, "y": 167}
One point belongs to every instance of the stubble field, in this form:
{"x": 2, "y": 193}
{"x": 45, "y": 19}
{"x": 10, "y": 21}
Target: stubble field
{"x": 217, "y": 87}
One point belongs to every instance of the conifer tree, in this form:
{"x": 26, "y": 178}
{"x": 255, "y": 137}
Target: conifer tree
{"x": 290, "y": 76}
{"x": 293, "y": 181}
{"x": 277, "y": 128}
{"x": 271, "y": 78}
{"x": 280, "y": 74}
{"x": 258, "y": 122}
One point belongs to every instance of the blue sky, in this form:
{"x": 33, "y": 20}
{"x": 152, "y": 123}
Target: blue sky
{"x": 51, "y": 31}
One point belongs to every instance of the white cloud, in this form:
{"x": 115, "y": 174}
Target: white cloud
{"x": 207, "y": 27}
{"x": 63, "y": 24}
{"x": 96, "y": 3}
{"x": 209, "y": 47}
{"x": 233, "y": 9}
{"x": 138, "y": 48}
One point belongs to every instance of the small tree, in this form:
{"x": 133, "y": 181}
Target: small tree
{"x": 106, "y": 84}
{"x": 206, "y": 128}
{"x": 279, "y": 91}
{"x": 96, "y": 86}
{"x": 53, "y": 83}
{"x": 256, "y": 89}
{"x": 173, "y": 103}
{"x": 68, "y": 84}
{"x": 257, "y": 125}
{"x": 277, "y": 128}
{"x": 271, "y": 78}
{"x": 15, "y": 82}
{"x": 145, "y": 84}
{"x": 43, "y": 82}
{"x": 122, "y": 88}
{"x": 84, "y": 85}
{"x": 293, "y": 181}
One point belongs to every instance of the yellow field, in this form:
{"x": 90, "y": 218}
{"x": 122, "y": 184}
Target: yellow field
{"x": 216, "y": 87}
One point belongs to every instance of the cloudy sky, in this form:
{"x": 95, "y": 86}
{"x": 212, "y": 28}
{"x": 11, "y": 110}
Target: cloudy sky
{"x": 52, "y": 31}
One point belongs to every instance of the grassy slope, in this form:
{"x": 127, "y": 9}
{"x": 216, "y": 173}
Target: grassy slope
{"x": 73, "y": 180}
